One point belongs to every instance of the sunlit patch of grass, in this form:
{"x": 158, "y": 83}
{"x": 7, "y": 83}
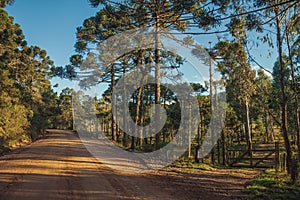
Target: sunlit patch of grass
{"x": 272, "y": 185}
{"x": 202, "y": 166}
{"x": 191, "y": 164}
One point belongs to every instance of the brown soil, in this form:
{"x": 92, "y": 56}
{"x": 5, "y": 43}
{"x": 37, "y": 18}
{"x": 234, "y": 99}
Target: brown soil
{"x": 59, "y": 167}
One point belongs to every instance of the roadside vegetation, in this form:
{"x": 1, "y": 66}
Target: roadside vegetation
{"x": 273, "y": 185}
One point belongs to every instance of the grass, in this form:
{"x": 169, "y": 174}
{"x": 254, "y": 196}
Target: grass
{"x": 191, "y": 164}
{"x": 274, "y": 186}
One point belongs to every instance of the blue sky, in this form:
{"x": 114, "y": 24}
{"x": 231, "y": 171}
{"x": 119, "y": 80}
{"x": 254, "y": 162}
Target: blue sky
{"x": 52, "y": 25}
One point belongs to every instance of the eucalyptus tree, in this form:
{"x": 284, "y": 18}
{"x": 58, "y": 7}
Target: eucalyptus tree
{"x": 262, "y": 104}
{"x": 281, "y": 16}
{"x": 239, "y": 78}
{"x": 274, "y": 22}
{"x": 292, "y": 36}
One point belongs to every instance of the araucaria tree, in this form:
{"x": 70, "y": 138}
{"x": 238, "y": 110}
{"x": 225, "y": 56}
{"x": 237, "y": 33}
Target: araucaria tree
{"x": 27, "y": 101}
{"x": 159, "y": 16}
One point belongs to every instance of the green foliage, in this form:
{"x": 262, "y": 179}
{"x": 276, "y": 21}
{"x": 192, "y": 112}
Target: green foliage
{"x": 26, "y": 99}
{"x": 188, "y": 163}
{"x": 272, "y": 186}
{"x": 65, "y": 118}
{"x": 3, "y": 3}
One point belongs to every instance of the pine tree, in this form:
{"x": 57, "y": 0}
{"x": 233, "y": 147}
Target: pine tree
{"x": 115, "y": 17}
{"x": 24, "y": 79}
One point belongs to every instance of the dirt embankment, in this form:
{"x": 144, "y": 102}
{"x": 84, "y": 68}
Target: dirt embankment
{"x": 59, "y": 167}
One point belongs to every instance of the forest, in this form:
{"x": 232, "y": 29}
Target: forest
{"x": 28, "y": 102}
{"x": 261, "y": 120}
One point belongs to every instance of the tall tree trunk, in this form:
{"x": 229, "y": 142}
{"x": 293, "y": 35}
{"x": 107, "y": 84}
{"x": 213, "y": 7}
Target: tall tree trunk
{"x": 222, "y": 133}
{"x": 139, "y": 96}
{"x": 211, "y": 110}
{"x": 113, "y": 123}
{"x": 284, "y": 121}
{"x": 165, "y": 107}
{"x": 223, "y": 147}
{"x": 198, "y": 141}
{"x": 157, "y": 68}
{"x": 295, "y": 89}
{"x": 138, "y": 111}
{"x": 124, "y": 114}
{"x": 190, "y": 133}
{"x": 132, "y": 146}
{"x": 267, "y": 125}
{"x": 141, "y": 133}
{"x": 247, "y": 130}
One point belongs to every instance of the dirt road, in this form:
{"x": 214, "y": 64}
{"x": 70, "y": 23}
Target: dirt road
{"x": 59, "y": 167}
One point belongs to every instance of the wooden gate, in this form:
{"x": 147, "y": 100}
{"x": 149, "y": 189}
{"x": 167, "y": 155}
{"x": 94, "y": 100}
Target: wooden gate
{"x": 262, "y": 156}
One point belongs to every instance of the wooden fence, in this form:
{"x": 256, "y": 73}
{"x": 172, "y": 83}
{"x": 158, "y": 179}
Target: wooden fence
{"x": 260, "y": 157}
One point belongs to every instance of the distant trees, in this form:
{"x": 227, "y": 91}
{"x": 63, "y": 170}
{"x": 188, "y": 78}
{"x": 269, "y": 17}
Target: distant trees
{"x": 263, "y": 106}
{"x": 65, "y": 116}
